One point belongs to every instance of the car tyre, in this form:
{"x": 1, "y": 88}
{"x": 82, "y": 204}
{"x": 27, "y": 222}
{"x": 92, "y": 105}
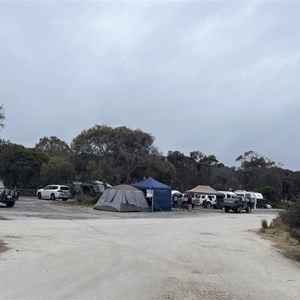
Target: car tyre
{"x": 39, "y": 196}
{"x": 52, "y": 197}
{"x": 10, "y": 203}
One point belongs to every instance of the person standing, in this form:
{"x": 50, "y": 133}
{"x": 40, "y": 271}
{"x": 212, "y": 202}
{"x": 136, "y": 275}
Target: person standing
{"x": 175, "y": 201}
{"x": 190, "y": 202}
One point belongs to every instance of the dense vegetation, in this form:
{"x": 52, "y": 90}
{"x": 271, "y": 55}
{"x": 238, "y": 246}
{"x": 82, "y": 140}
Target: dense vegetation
{"x": 122, "y": 155}
{"x": 291, "y": 217}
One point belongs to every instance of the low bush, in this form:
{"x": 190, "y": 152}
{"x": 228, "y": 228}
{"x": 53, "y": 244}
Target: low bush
{"x": 27, "y": 192}
{"x": 280, "y": 233}
{"x": 264, "y": 225}
{"x": 85, "y": 199}
{"x": 291, "y": 217}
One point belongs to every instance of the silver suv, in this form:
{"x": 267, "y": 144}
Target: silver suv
{"x": 54, "y": 191}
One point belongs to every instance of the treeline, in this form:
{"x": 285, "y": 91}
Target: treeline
{"x": 122, "y": 155}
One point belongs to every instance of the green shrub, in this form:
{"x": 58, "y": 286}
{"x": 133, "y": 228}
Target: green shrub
{"x": 291, "y": 217}
{"x": 269, "y": 193}
{"x": 279, "y": 205}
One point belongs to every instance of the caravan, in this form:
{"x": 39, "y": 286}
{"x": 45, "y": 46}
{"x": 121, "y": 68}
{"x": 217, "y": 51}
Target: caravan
{"x": 256, "y": 198}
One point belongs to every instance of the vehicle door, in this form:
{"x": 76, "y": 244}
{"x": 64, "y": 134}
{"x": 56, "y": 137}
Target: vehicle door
{"x": 46, "y": 193}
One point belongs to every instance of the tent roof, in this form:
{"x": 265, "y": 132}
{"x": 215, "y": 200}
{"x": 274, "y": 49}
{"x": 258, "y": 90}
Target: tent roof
{"x": 125, "y": 187}
{"x": 150, "y": 183}
{"x": 204, "y": 189}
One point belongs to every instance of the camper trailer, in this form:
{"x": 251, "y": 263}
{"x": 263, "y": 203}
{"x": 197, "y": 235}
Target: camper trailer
{"x": 236, "y": 203}
{"x": 256, "y": 198}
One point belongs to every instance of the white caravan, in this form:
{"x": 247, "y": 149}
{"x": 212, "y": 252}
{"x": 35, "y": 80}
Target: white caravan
{"x": 251, "y": 195}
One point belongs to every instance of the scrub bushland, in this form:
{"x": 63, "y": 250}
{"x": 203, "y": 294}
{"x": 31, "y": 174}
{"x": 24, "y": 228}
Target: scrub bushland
{"x": 284, "y": 230}
{"x": 291, "y": 217}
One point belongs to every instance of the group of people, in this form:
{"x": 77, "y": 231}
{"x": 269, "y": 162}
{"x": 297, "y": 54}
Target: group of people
{"x": 189, "y": 202}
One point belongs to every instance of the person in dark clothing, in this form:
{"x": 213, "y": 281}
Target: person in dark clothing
{"x": 190, "y": 202}
{"x": 175, "y": 201}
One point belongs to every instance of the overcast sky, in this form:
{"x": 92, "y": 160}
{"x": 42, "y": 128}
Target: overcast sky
{"x": 220, "y": 77}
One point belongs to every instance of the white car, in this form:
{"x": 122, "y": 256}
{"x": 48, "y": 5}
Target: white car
{"x": 207, "y": 201}
{"x": 54, "y": 191}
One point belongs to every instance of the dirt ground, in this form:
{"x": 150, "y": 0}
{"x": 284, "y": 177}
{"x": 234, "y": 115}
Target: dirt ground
{"x": 177, "y": 255}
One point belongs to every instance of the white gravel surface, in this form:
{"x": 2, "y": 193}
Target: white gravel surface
{"x": 175, "y": 255}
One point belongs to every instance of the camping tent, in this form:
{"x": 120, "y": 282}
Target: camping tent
{"x": 122, "y": 198}
{"x": 161, "y": 200}
{"x": 207, "y": 190}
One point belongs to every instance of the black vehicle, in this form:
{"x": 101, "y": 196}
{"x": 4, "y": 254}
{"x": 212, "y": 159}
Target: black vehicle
{"x": 237, "y": 204}
{"x": 7, "y": 196}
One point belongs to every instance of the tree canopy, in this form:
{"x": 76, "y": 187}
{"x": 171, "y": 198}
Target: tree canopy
{"x": 121, "y": 151}
{"x": 123, "y": 155}
{"x": 2, "y": 116}
{"x": 53, "y": 146}
{"x": 251, "y": 159}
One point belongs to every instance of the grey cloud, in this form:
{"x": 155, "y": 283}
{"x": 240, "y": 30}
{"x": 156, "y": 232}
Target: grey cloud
{"x": 218, "y": 77}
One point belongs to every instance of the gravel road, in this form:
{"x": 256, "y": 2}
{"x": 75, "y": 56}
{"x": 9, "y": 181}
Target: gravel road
{"x": 65, "y": 252}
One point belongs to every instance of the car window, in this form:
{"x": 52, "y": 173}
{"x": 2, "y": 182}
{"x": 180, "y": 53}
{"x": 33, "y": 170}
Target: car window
{"x": 65, "y": 188}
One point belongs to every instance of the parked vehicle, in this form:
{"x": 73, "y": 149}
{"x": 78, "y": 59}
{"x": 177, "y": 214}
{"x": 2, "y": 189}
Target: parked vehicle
{"x": 92, "y": 187}
{"x": 236, "y": 203}
{"x": 54, "y": 191}
{"x": 7, "y": 196}
{"x": 206, "y": 201}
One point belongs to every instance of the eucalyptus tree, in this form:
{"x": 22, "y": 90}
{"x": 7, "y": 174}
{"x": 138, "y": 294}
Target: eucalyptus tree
{"x": 116, "y": 153}
{"x": 250, "y": 159}
{"x": 57, "y": 170}
{"x": 53, "y": 146}
{"x": 20, "y": 166}
{"x": 186, "y": 170}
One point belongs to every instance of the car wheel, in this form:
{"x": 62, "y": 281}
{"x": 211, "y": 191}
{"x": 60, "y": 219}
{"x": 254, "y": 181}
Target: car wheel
{"x": 208, "y": 205}
{"x": 239, "y": 209}
{"x": 39, "y": 196}
{"x": 226, "y": 209}
{"x": 10, "y": 203}
{"x": 52, "y": 197}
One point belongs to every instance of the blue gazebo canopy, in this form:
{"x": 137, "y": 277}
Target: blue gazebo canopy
{"x": 161, "y": 193}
